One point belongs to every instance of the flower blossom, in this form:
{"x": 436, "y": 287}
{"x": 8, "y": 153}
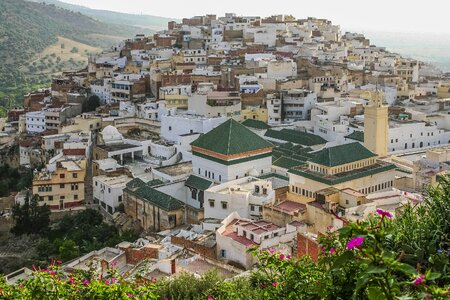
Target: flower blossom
{"x": 281, "y": 256}
{"x": 384, "y": 213}
{"x": 210, "y": 297}
{"x": 355, "y": 242}
{"x": 275, "y": 284}
{"x": 86, "y": 282}
{"x": 419, "y": 280}
{"x": 58, "y": 262}
{"x": 332, "y": 250}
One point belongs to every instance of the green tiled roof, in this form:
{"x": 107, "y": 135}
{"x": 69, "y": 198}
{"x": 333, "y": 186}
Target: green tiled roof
{"x": 271, "y": 175}
{"x": 198, "y": 183}
{"x": 155, "y": 182}
{"x": 157, "y": 198}
{"x": 342, "y": 154}
{"x": 356, "y": 136}
{"x": 287, "y": 163}
{"x": 296, "y": 137}
{"x": 343, "y": 177}
{"x": 231, "y": 138}
{"x": 255, "y": 124}
{"x": 135, "y": 183}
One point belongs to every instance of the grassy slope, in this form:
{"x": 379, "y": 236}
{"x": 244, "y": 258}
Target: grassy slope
{"x": 27, "y": 28}
{"x": 145, "y": 21}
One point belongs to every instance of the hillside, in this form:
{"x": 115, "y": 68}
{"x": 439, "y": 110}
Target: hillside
{"x": 27, "y": 28}
{"x": 145, "y": 21}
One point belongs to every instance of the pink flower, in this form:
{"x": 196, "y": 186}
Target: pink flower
{"x": 288, "y": 257}
{"x": 86, "y": 282}
{"x": 282, "y": 256}
{"x": 129, "y": 295}
{"x": 355, "y": 243}
{"x": 166, "y": 298}
{"x": 332, "y": 250}
{"x": 419, "y": 280}
{"x": 275, "y": 284}
{"x": 271, "y": 251}
{"x": 107, "y": 282}
{"x": 114, "y": 263}
{"x": 71, "y": 280}
{"x": 384, "y": 213}
{"x": 210, "y": 297}
{"x": 59, "y": 262}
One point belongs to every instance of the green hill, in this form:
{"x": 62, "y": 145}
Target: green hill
{"x": 145, "y": 21}
{"x": 27, "y": 28}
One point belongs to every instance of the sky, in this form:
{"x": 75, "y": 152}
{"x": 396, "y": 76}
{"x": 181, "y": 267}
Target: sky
{"x": 379, "y": 15}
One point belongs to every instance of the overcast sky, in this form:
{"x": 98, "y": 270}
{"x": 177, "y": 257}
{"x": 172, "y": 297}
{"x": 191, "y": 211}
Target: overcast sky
{"x": 379, "y": 15}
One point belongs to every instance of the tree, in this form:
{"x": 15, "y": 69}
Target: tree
{"x": 30, "y": 218}
{"x": 68, "y": 250}
{"x": 91, "y": 103}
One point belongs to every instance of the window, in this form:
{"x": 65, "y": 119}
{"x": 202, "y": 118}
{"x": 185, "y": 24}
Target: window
{"x": 120, "y": 198}
{"x": 62, "y": 176}
{"x": 223, "y": 253}
{"x": 96, "y": 183}
{"x": 346, "y": 201}
{"x": 275, "y": 234}
{"x": 252, "y": 236}
{"x": 62, "y": 197}
{"x": 170, "y": 128}
{"x": 220, "y": 176}
{"x": 75, "y": 197}
{"x": 75, "y": 175}
{"x": 109, "y": 190}
{"x": 211, "y": 202}
{"x": 41, "y": 198}
{"x": 50, "y": 198}
{"x": 252, "y": 208}
{"x": 194, "y": 194}
{"x": 224, "y": 205}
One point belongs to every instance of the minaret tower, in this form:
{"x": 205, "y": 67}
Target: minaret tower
{"x": 376, "y": 125}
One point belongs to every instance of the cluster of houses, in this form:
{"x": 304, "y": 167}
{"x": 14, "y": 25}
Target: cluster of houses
{"x": 222, "y": 133}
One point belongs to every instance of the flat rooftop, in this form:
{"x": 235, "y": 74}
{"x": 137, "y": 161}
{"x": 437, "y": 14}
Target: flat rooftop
{"x": 177, "y": 169}
{"x": 118, "y": 181}
{"x": 117, "y": 147}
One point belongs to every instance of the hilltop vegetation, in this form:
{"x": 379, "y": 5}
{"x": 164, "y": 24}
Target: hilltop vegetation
{"x": 27, "y": 28}
{"x": 144, "y": 21}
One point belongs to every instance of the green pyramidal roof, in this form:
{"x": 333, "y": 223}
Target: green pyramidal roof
{"x": 340, "y": 155}
{"x": 231, "y": 138}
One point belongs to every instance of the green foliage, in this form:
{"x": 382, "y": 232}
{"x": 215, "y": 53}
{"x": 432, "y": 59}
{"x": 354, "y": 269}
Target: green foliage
{"x": 14, "y": 180}
{"x": 91, "y": 103}
{"x": 30, "y": 218}
{"x": 68, "y": 250}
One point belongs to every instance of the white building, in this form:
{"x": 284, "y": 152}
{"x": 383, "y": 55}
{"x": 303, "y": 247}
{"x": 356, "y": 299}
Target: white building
{"x": 108, "y": 191}
{"x": 280, "y": 69}
{"x": 102, "y": 88}
{"x": 297, "y": 104}
{"x": 35, "y": 121}
{"x": 231, "y": 151}
{"x": 246, "y": 196}
{"x": 237, "y": 234}
{"x": 215, "y": 104}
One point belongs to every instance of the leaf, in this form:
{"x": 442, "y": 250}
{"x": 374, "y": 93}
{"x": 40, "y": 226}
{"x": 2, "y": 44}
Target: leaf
{"x": 432, "y": 276}
{"x": 372, "y": 269}
{"x": 343, "y": 259}
{"x": 407, "y": 269}
{"x": 375, "y": 293}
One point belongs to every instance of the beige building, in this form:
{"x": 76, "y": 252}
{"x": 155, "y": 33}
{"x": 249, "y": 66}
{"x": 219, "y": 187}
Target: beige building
{"x": 376, "y": 125}
{"x": 152, "y": 209}
{"x": 340, "y": 167}
{"x": 63, "y": 187}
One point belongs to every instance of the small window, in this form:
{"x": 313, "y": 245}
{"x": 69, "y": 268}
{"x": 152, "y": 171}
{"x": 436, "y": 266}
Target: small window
{"x": 223, "y": 253}
{"x": 170, "y": 128}
{"x": 50, "y": 198}
{"x": 120, "y": 198}
{"x": 62, "y": 176}
{"x": 75, "y": 197}
{"x": 224, "y": 205}
{"x": 211, "y": 203}
{"x": 61, "y": 186}
{"x": 252, "y": 208}
{"x": 252, "y": 236}
{"x": 275, "y": 234}
{"x": 75, "y": 175}
{"x": 62, "y": 197}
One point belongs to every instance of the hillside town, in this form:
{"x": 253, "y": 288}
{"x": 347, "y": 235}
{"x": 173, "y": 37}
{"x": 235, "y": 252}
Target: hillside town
{"x": 223, "y": 133}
